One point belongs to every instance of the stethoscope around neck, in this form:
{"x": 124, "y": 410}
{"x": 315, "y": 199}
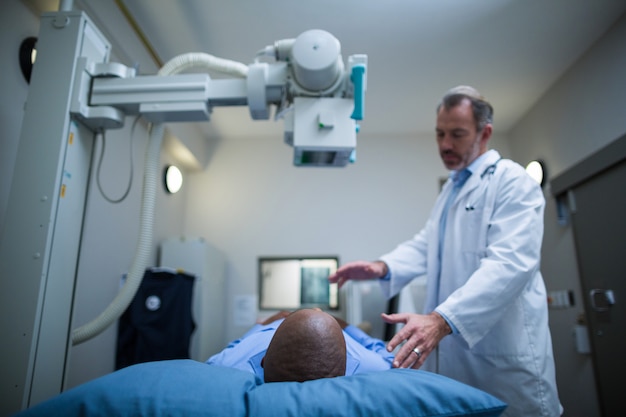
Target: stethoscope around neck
{"x": 488, "y": 172}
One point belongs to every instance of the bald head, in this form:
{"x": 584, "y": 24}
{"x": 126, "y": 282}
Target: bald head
{"x": 308, "y": 345}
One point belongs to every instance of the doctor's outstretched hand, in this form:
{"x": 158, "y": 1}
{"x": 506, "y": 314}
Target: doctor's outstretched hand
{"x": 421, "y": 334}
{"x": 358, "y": 271}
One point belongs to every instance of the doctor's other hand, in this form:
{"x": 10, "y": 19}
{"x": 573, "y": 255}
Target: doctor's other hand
{"x": 359, "y": 271}
{"x": 420, "y": 334}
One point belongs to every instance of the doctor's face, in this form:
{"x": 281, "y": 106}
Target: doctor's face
{"x": 458, "y": 140}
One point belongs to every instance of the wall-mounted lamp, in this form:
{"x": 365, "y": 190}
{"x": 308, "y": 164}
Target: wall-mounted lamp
{"x": 537, "y": 170}
{"x": 173, "y": 179}
{"x": 28, "y": 54}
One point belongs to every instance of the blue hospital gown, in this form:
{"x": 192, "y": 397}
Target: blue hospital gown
{"x": 364, "y": 353}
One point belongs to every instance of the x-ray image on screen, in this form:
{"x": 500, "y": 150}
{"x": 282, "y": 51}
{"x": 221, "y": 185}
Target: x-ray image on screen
{"x": 297, "y": 282}
{"x": 314, "y": 288}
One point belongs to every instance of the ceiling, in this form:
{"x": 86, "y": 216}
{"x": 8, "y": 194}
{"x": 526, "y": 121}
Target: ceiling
{"x": 511, "y": 50}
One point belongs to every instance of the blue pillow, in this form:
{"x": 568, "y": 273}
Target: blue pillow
{"x": 165, "y": 388}
{"x": 189, "y": 388}
{"x": 396, "y": 392}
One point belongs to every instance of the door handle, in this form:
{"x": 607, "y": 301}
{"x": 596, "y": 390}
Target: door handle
{"x": 602, "y": 300}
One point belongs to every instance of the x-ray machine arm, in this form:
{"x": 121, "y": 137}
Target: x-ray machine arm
{"x": 305, "y": 80}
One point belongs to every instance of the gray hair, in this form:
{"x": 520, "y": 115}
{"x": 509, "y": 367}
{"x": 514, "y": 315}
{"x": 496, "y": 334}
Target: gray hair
{"x": 483, "y": 112}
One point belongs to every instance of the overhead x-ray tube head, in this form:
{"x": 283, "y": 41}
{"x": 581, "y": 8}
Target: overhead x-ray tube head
{"x": 316, "y": 60}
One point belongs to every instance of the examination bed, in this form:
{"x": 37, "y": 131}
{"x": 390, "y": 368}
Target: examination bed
{"x": 189, "y": 388}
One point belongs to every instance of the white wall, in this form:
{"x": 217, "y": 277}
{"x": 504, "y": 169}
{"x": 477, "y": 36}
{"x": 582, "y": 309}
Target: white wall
{"x": 581, "y": 113}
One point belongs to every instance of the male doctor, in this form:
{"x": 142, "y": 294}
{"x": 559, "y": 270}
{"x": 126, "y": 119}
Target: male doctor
{"x": 485, "y": 321}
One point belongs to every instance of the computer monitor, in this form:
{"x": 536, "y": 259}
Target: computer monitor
{"x": 295, "y": 282}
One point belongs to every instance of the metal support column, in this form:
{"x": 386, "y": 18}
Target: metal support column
{"x": 40, "y": 244}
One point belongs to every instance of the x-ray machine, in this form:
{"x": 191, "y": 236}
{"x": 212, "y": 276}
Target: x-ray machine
{"x": 74, "y": 94}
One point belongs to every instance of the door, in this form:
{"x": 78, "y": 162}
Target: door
{"x": 598, "y": 215}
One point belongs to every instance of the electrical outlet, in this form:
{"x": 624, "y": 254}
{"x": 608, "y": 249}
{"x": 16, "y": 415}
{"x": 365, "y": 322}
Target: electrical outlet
{"x": 560, "y": 299}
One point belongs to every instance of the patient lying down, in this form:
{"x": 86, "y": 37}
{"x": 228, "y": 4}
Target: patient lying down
{"x": 307, "y": 345}
{"x": 304, "y": 345}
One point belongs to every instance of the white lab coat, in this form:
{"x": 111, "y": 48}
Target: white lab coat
{"x": 491, "y": 288}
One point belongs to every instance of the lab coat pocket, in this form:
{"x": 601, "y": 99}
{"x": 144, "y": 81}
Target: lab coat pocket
{"x": 469, "y": 228}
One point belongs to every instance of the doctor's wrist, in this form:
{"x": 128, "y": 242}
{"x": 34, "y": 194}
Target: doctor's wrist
{"x": 443, "y": 325}
{"x": 381, "y": 269}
